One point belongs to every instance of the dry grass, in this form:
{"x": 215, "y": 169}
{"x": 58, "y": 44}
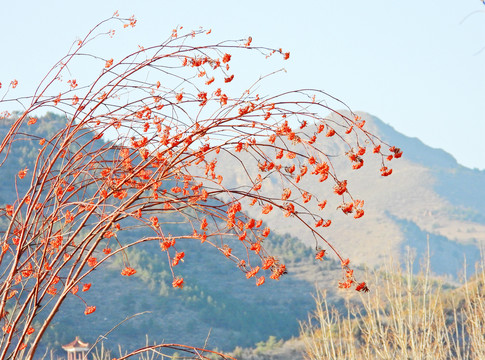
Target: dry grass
{"x": 405, "y": 316}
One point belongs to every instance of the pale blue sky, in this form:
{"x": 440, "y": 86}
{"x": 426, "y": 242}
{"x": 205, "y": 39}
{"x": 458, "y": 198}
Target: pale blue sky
{"x": 414, "y": 63}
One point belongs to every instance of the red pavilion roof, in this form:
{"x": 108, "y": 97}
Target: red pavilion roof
{"x": 76, "y": 345}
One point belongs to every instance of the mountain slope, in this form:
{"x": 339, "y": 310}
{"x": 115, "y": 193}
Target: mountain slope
{"x": 217, "y": 297}
{"x": 428, "y": 195}
{"x": 428, "y": 191}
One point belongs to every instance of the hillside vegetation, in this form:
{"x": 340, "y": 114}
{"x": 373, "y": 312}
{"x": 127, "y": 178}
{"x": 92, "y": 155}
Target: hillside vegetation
{"x": 404, "y": 316}
{"x": 218, "y": 303}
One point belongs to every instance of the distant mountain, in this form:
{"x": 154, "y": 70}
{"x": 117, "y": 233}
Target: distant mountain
{"x": 429, "y": 196}
{"x": 217, "y": 299}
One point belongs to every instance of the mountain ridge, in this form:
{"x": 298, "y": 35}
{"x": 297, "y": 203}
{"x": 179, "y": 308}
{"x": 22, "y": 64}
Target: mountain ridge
{"x": 429, "y": 198}
{"x": 428, "y": 189}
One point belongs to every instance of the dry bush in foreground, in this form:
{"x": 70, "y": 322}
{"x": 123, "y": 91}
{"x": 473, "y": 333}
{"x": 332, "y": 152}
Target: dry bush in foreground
{"x": 404, "y": 317}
